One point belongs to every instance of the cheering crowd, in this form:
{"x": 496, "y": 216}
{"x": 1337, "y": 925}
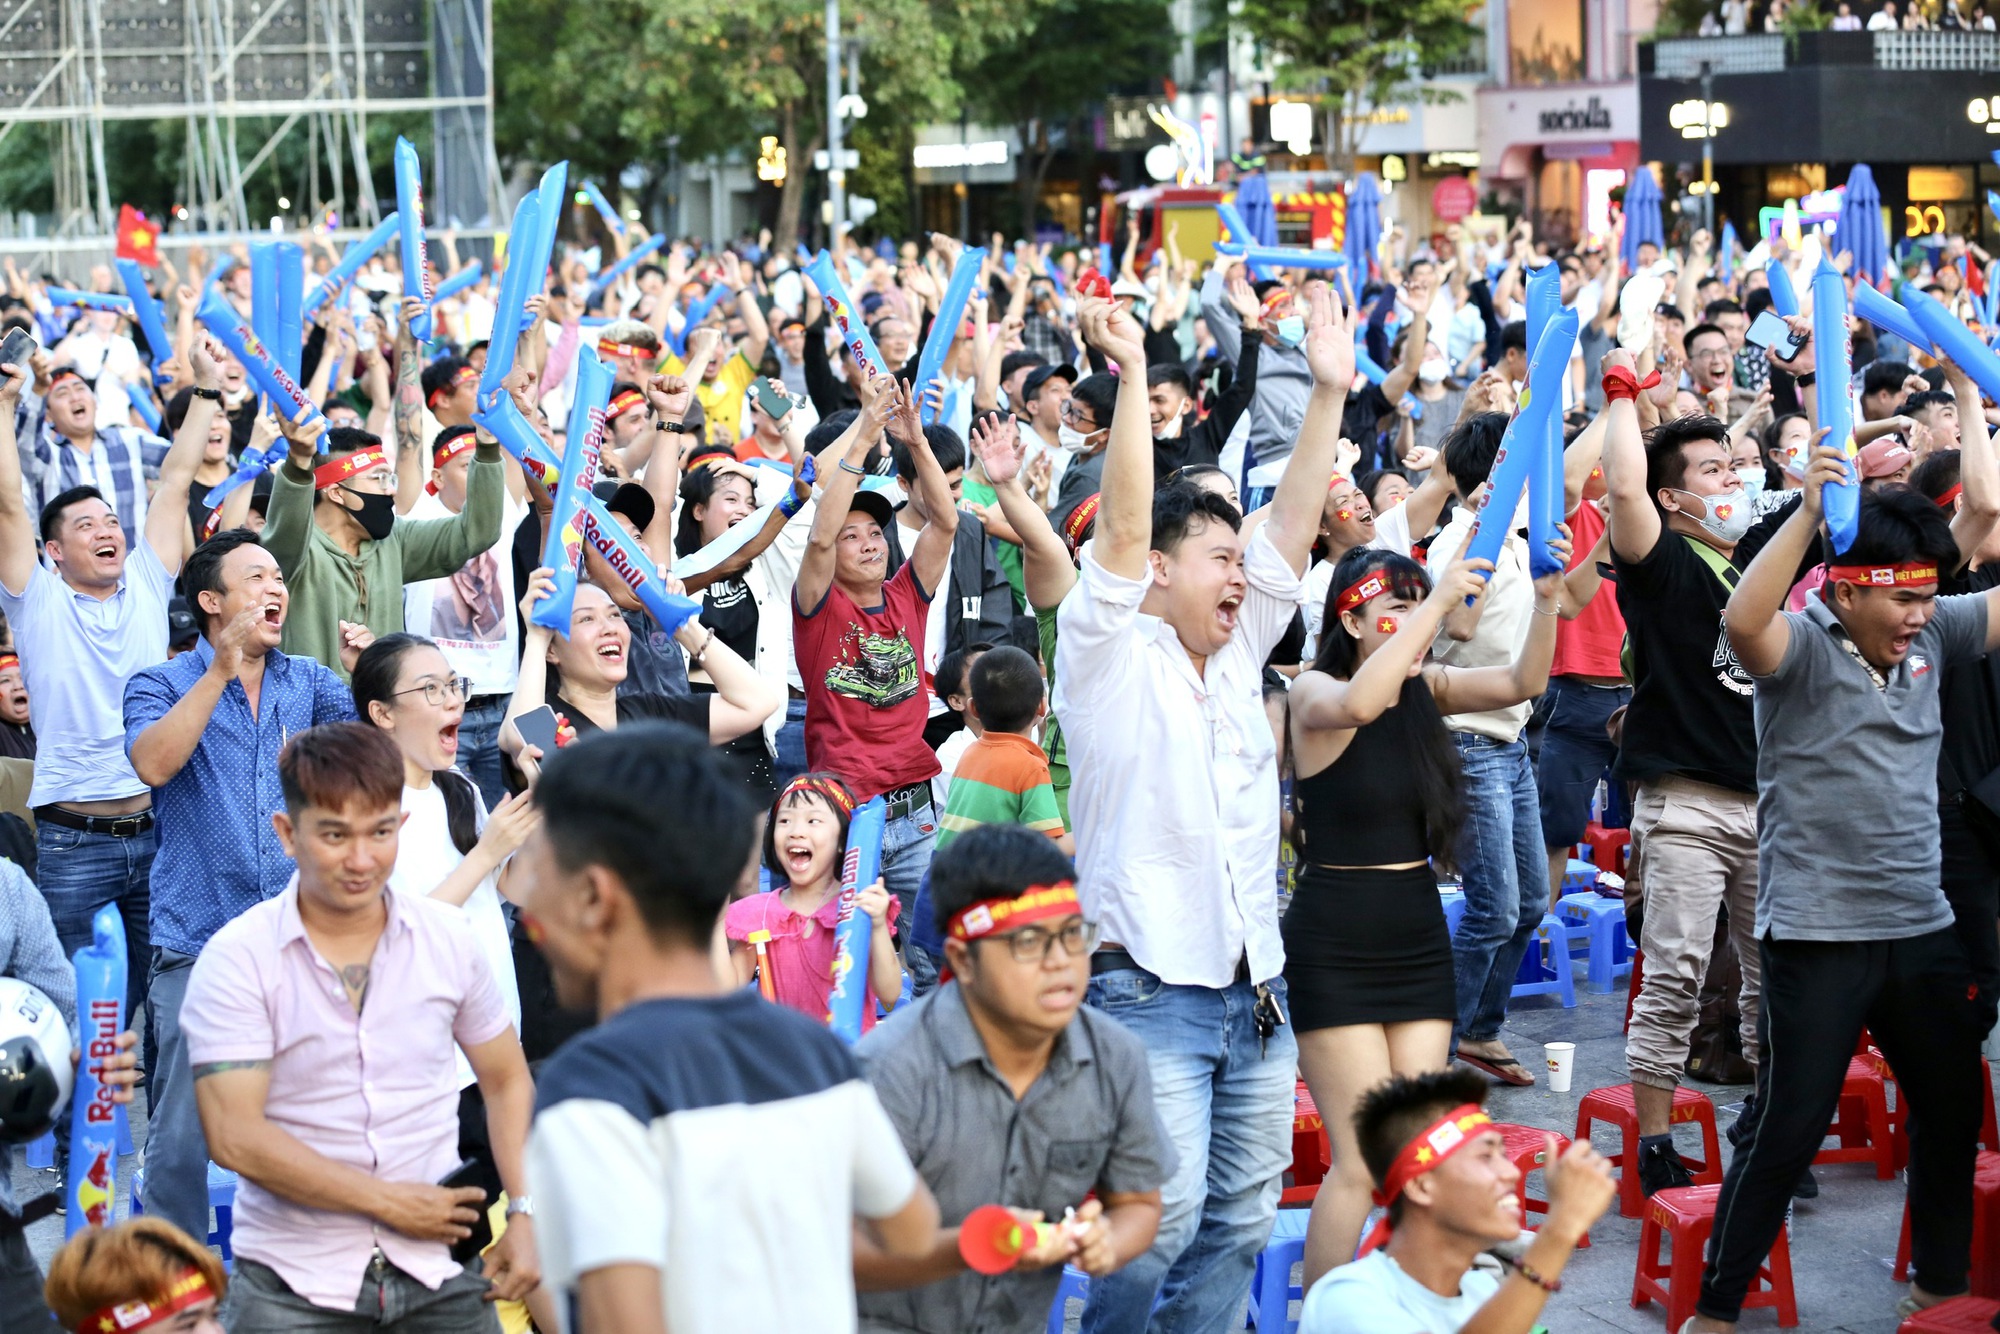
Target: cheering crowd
{"x": 485, "y": 926}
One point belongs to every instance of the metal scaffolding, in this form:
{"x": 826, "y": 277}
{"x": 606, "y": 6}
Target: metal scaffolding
{"x": 315, "y": 67}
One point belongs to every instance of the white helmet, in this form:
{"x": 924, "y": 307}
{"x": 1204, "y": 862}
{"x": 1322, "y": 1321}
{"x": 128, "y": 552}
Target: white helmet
{"x": 35, "y": 1073}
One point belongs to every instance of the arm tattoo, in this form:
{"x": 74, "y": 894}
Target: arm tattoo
{"x": 224, "y": 1067}
{"x": 409, "y": 401}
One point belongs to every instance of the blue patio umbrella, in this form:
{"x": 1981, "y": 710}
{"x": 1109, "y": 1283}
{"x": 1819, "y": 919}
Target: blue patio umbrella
{"x": 1859, "y": 227}
{"x": 1364, "y": 226}
{"x": 1642, "y": 216}
{"x": 1253, "y": 202}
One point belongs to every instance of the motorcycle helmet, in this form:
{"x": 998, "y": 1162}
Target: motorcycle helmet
{"x": 35, "y": 1073}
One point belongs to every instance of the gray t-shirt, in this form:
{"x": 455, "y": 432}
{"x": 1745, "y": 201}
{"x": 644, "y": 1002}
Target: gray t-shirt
{"x": 1847, "y": 827}
{"x": 1087, "y": 1123}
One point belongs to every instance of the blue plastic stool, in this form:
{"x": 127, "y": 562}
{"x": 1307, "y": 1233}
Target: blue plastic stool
{"x": 1271, "y": 1288}
{"x": 1601, "y": 923}
{"x": 1454, "y": 908}
{"x": 1579, "y": 875}
{"x": 1545, "y": 967}
{"x": 221, "y": 1198}
{"x": 1075, "y": 1283}
{"x": 42, "y": 1153}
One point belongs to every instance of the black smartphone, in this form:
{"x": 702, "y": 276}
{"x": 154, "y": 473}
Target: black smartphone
{"x": 1768, "y": 330}
{"x": 775, "y": 404}
{"x": 469, "y": 1173}
{"x": 16, "y": 348}
{"x": 538, "y": 728}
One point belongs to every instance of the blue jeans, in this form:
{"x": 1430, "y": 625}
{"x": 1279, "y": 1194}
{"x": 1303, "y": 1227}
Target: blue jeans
{"x": 1505, "y": 871}
{"x": 1225, "y": 1101}
{"x": 1575, "y": 753}
{"x": 479, "y": 746}
{"x": 790, "y": 761}
{"x": 907, "y": 844}
{"x": 80, "y": 873}
{"x": 176, "y": 1148}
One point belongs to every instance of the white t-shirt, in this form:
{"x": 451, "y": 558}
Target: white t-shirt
{"x": 1374, "y": 1296}
{"x": 471, "y": 614}
{"x": 111, "y": 362}
{"x": 949, "y": 754}
{"x": 1392, "y": 533}
{"x": 425, "y": 855}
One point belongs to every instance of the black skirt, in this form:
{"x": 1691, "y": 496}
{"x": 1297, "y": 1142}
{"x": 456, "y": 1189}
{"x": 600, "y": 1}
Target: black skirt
{"x": 1367, "y": 947}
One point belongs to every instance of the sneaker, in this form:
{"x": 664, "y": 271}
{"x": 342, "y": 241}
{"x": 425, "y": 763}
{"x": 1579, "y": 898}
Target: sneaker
{"x": 1661, "y": 1168}
{"x": 1807, "y": 1187}
{"x": 62, "y": 1193}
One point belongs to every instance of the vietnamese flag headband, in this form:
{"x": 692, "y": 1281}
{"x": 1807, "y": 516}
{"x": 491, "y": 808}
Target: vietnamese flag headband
{"x": 1037, "y": 903}
{"x": 462, "y": 443}
{"x": 1883, "y": 576}
{"x": 624, "y": 402}
{"x": 1362, "y": 589}
{"x": 190, "y": 1289}
{"x": 834, "y": 795}
{"x": 8, "y": 660}
{"x": 607, "y": 347}
{"x": 355, "y": 464}
{"x": 1439, "y": 1141}
{"x": 466, "y": 375}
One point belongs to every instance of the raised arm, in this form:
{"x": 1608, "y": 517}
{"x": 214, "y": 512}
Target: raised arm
{"x": 1754, "y": 619}
{"x": 840, "y": 464}
{"x": 1323, "y": 702}
{"x": 1047, "y": 571}
{"x": 1404, "y": 373}
{"x": 756, "y": 330}
{"x": 1977, "y": 472}
{"x": 1125, "y": 507}
{"x": 17, "y": 528}
{"x": 1584, "y": 455}
{"x": 932, "y": 550}
{"x": 166, "y": 513}
{"x": 1635, "y": 520}
{"x": 743, "y": 699}
{"x": 409, "y": 382}
{"x": 1476, "y": 689}
{"x": 1300, "y": 501}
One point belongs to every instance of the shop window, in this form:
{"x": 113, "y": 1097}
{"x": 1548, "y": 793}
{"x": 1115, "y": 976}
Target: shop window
{"x": 1545, "y": 41}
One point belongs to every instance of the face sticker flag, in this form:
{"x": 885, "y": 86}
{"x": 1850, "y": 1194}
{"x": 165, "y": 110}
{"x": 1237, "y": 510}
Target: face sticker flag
{"x": 1385, "y": 625}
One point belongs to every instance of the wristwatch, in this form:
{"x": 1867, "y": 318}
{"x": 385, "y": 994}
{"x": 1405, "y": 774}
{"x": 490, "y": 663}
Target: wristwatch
{"x": 521, "y": 1205}
{"x": 1806, "y": 381}
{"x": 678, "y": 428}
{"x": 212, "y": 395}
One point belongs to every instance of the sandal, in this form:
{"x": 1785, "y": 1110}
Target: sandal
{"x": 1503, "y": 1068}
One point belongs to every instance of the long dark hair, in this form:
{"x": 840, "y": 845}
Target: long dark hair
{"x": 1440, "y": 775}
{"x": 375, "y": 673}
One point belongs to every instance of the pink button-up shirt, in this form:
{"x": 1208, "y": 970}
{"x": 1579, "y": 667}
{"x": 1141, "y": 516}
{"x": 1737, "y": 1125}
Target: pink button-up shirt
{"x": 377, "y": 1091}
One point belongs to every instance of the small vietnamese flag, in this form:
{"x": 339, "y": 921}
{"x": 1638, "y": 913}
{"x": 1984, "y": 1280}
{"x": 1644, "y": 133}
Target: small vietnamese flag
{"x": 136, "y": 237}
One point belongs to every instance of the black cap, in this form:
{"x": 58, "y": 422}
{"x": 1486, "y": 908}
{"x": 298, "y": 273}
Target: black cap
{"x": 629, "y": 499}
{"x": 1041, "y": 375}
{"x": 875, "y": 505}
{"x": 181, "y": 628}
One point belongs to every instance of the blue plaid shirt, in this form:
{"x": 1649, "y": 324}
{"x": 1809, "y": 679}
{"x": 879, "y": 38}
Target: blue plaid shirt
{"x": 218, "y": 853}
{"x": 119, "y": 464}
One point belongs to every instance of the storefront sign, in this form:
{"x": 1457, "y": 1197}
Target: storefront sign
{"x": 1453, "y": 198}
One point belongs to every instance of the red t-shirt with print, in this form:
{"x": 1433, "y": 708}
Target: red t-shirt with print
{"x": 867, "y": 698}
{"x": 1590, "y": 644}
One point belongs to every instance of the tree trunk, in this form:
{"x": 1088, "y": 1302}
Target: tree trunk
{"x": 798, "y": 173}
{"x": 1034, "y": 137}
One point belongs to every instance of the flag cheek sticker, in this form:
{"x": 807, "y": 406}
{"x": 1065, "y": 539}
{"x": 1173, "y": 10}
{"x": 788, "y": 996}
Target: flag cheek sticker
{"x": 1385, "y": 625}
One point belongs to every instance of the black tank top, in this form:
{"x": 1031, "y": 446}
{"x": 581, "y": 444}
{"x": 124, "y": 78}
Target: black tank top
{"x": 1365, "y": 809}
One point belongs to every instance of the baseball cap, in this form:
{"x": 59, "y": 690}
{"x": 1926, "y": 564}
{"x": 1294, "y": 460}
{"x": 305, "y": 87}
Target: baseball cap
{"x": 629, "y": 499}
{"x": 1041, "y": 375}
{"x": 875, "y": 505}
{"x": 1126, "y": 287}
{"x": 1884, "y": 458}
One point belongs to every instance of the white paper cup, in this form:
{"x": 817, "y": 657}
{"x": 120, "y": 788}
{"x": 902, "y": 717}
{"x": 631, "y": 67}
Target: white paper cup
{"x": 1562, "y": 1064}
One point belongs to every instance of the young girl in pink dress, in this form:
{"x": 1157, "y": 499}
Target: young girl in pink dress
{"x": 805, "y": 842}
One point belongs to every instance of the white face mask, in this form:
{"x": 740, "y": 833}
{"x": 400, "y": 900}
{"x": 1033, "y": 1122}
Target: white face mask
{"x": 1071, "y": 439}
{"x": 1728, "y": 515}
{"x": 1433, "y": 372}
{"x": 1753, "y": 481}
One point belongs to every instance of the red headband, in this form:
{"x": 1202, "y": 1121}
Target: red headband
{"x": 190, "y": 1289}
{"x": 1439, "y": 1141}
{"x": 835, "y": 795}
{"x": 1081, "y": 518}
{"x": 1362, "y": 589}
{"x": 9, "y": 660}
{"x": 446, "y": 452}
{"x": 465, "y": 375}
{"x": 1944, "y": 501}
{"x": 1883, "y": 576}
{"x": 360, "y": 461}
{"x": 1037, "y": 903}
{"x": 631, "y": 398}
{"x": 609, "y": 348}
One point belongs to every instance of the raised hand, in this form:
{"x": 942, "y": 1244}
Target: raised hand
{"x": 1329, "y": 344}
{"x": 996, "y": 439}
{"x": 905, "y": 422}
{"x": 670, "y": 395}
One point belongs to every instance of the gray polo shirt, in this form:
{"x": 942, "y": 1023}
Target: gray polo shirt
{"x": 1087, "y": 1123}
{"x": 1847, "y": 826}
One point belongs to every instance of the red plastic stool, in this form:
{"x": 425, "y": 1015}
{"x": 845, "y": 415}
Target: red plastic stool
{"x": 1527, "y": 1149}
{"x": 1616, "y": 1106}
{"x": 1960, "y": 1315}
{"x": 1312, "y": 1152}
{"x": 1899, "y": 1133}
{"x": 1985, "y": 1274}
{"x": 1609, "y": 848}
{"x": 1685, "y": 1216}
{"x": 1861, "y": 1120}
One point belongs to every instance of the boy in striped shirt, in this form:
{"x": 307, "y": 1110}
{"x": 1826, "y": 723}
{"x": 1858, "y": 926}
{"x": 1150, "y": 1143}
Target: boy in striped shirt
{"x": 1003, "y": 777}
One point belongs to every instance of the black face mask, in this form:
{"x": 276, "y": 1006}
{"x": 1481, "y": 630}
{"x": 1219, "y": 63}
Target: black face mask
{"x": 377, "y": 514}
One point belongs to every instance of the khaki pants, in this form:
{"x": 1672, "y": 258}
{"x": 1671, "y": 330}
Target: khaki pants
{"x": 1694, "y": 848}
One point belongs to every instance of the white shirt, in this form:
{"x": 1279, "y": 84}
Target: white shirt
{"x": 1503, "y": 623}
{"x": 949, "y": 754}
{"x": 1174, "y": 775}
{"x": 425, "y": 856}
{"x": 1880, "y": 21}
{"x": 1374, "y": 1296}
{"x": 471, "y": 613}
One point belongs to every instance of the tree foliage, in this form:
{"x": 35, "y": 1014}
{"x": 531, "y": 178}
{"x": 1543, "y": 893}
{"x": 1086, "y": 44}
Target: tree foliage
{"x": 1352, "y": 56}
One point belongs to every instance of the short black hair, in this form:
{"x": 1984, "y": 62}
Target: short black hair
{"x": 1099, "y": 393}
{"x": 1720, "y": 306}
{"x": 946, "y": 447}
{"x": 679, "y": 861}
{"x": 1373, "y": 478}
{"x": 1401, "y": 1108}
{"x": 439, "y": 375}
{"x": 1757, "y": 302}
{"x": 1666, "y": 465}
{"x": 1885, "y": 376}
{"x": 1696, "y": 331}
{"x": 830, "y": 429}
{"x": 949, "y": 678}
{"x": 1024, "y": 632}
{"x": 1936, "y": 475}
{"x": 1471, "y": 447}
{"x": 203, "y": 571}
{"x": 1898, "y": 524}
{"x": 1514, "y": 334}
{"x": 52, "y": 513}
{"x": 1181, "y": 509}
{"x": 996, "y": 861}
{"x": 1173, "y": 373}
{"x": 1929, "y": 398}
{"x": 1007, "y": 689}
{"x": 1015, "y": 361}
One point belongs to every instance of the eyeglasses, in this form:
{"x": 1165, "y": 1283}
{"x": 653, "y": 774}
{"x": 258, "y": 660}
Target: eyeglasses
{"x": 438, "y": 692}
{"x": 1031, "y": 944}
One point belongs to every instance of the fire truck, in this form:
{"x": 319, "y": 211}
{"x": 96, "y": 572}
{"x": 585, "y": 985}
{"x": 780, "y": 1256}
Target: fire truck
{"x": 1311, "y": 212}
